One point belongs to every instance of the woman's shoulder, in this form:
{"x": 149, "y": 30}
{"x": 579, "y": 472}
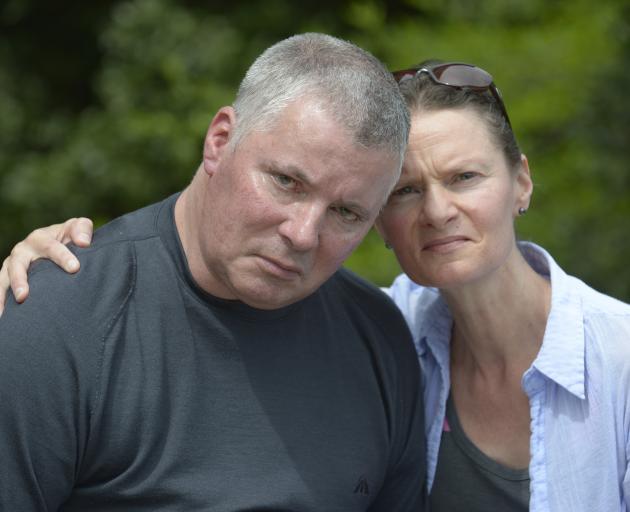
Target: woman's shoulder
{"x": 597, "y": 303}
{"x": 423, "y": 307}
{"x": 571, "y": 288}
{"x": 409, "y": 295}
{"x": 606, "y": 319}
{"x": 606, "y": 325}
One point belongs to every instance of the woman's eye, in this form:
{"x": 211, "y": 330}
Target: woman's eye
{"x": 465, "y": 176}
{"x": 403, "y": 191}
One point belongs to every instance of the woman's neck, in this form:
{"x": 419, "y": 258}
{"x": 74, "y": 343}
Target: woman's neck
{"x": 499, "y": 321}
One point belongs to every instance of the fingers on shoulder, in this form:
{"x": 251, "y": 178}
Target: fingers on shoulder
{"x": 4, "y": 283}
{"x": 15, "y": 278}
{"x": 80, "y": 231}
{"x": 40, "y": 244}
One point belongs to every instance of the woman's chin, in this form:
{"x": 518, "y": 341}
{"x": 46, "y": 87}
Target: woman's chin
{"x": 450, "y": 276}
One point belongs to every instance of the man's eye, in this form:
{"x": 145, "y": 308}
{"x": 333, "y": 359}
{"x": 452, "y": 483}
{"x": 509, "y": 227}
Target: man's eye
{"x": 285, "y": 181}
{"x": 346, "y": 214}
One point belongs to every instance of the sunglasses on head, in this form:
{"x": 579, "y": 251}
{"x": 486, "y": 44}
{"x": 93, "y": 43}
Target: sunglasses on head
{"x": 459, "y": 75}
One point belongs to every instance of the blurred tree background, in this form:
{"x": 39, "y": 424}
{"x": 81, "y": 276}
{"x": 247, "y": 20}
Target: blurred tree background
{"x": 104, "y": 105}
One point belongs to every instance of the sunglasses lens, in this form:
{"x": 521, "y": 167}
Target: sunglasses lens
{"x": 459, "y": 75}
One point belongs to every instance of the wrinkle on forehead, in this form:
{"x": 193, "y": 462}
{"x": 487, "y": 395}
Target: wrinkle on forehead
{"x": 449, "y": 139}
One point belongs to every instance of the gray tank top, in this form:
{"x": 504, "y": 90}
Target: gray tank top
{"x": 466, "y": 480}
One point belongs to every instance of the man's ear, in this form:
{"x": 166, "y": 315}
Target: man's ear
{"x": 219, "y": 133}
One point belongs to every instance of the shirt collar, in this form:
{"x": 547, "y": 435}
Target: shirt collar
{"x": 561, "y": 357}
{"x": 436, "y": 326}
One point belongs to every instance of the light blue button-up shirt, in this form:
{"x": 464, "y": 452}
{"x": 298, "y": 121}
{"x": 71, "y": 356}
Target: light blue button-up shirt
{"x": 578, "y": 388}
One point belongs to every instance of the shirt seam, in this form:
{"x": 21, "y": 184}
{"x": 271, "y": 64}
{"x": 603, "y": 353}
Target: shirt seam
{"x": 108, "y": 330}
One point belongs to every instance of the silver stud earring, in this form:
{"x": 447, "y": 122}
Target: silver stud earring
{"x": 522, "y": 211}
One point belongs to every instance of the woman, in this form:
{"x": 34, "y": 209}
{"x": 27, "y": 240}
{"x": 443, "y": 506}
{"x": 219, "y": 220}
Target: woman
{"x": 526, "y": 369}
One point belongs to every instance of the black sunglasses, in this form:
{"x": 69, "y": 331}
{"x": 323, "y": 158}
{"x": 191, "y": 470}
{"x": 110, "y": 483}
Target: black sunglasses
{"x": 459, "y": 75}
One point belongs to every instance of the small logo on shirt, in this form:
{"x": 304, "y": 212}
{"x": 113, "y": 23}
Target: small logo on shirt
{"x": 362, "y": 486}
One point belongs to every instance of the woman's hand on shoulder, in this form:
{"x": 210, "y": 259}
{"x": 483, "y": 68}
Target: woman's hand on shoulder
{"x": 48, "y": 242}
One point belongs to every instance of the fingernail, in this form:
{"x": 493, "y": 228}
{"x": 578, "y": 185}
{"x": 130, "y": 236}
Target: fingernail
{"x": 84, "y": 237}
{"x": 19, "y": 293}
{"x": 72, "y": 265}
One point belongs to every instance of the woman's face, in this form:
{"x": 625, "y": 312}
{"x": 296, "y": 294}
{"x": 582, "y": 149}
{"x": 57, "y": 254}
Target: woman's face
{"x": 450, "y": 219}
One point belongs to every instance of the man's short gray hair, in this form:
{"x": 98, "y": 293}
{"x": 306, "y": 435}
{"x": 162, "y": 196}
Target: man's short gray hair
{"x": 351, "y": 84}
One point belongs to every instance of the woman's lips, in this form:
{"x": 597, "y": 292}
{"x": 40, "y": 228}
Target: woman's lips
{"x": 445, "y": 244}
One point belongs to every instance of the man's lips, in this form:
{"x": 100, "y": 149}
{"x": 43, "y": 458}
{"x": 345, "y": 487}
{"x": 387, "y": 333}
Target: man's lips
{"x": 281, "y": 269}
{"x": 445, "y": 244}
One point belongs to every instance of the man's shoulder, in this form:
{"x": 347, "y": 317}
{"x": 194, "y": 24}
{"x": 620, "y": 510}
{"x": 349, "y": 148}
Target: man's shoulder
{"x": 109, "y": 259}
{"x": 133, "y": 226}
{"x": 357, "y": 284}
{"x": 348, "y": 286}
{"x": 105, "y": 280}
{"x": 112, "y": 248}
{"x": 365, "y": 303}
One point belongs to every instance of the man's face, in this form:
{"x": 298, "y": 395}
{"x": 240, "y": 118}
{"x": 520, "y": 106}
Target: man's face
{"x": 282, "y": 211}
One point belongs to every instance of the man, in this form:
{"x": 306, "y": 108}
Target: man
{"x": 210, "y": 355}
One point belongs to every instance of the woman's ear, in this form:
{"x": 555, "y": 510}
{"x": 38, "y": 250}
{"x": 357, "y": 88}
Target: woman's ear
{"x": 217, "y": 138}
{"x": 524, "y": 187}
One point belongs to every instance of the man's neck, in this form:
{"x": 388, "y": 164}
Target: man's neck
{"x": 188, "y": 208}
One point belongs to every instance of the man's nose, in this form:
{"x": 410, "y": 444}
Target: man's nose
{"x": 302, "y": 227}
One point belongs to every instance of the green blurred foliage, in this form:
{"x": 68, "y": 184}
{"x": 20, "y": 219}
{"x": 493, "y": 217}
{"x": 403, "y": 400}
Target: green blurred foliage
{"x": 104, "y": 106}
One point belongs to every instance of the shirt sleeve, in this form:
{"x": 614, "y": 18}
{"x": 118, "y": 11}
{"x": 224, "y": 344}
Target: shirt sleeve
{"x": 48, "y": 365}
{"x": 37, "y": 398}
